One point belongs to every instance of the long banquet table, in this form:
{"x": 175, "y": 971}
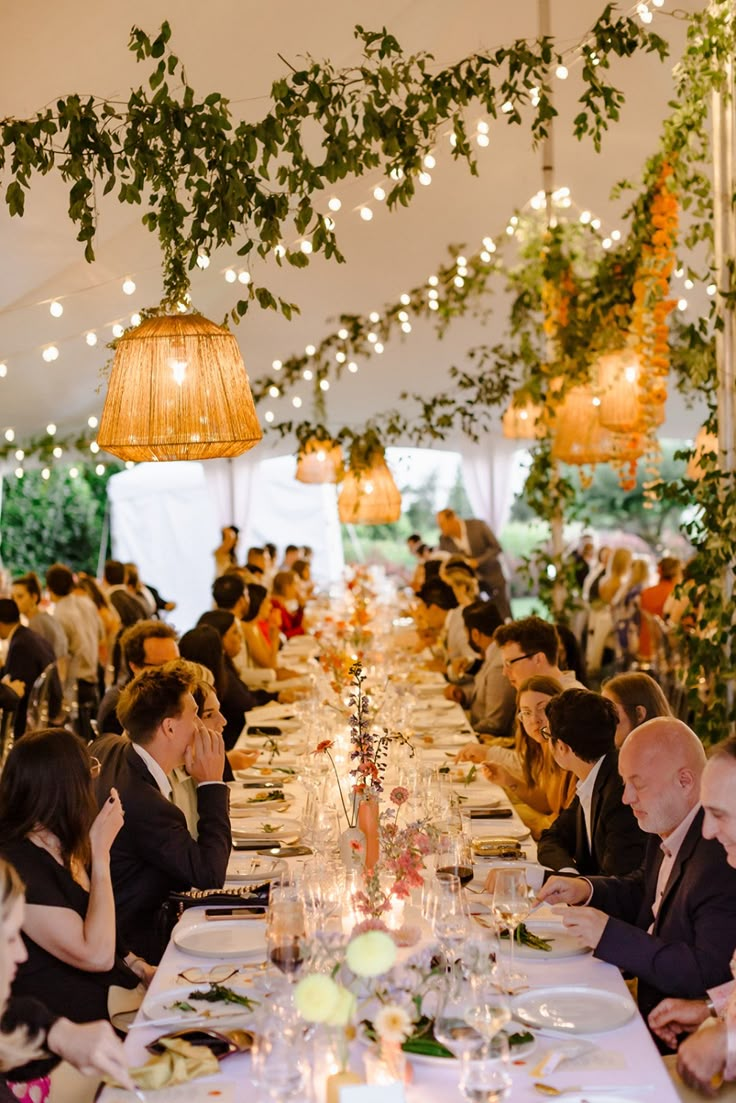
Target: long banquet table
{"x": 624, "y": 1060}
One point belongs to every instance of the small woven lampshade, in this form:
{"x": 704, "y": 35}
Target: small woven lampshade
{"x": 522, "y": 420}
{"x": 369, "y": 497}
{"x": 319, "y": 461}
{"x": 618, "y": 385}
{"x": 178, "y": 390}
{"x": 579, "y": 436}
{"x": 704, "y": 442}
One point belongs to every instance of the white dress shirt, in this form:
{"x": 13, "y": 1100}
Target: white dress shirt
{"x": 584, "y": 790}
{"x": 157, "y": 772}
{"x": 671, "y": 848}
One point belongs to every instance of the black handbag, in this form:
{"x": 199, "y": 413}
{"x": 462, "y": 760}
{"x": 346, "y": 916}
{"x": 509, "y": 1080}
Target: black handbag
{"x": 177, "y": 903}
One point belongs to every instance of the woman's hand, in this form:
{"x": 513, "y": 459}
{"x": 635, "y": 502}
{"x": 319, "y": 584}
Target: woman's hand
{"x": 108, "y": 822}
{"x": 141, "y": 968}
{"x": 499, "y": 775}
{"x": 93, "y": 1048}
{"x": 274, "y": 618}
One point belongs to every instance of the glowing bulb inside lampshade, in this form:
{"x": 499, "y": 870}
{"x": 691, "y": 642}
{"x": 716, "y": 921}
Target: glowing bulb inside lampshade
{"x": 178, "y": 370}
{"x": 630, "y": 373}
{"x": 91, "y": 339}
{"x": 368, "y": 487}
{"x": 56, "y": 309}
{"x": 128, "y": 286}
{"x": 51, "y": 428}
{"x": 321, "y": 455}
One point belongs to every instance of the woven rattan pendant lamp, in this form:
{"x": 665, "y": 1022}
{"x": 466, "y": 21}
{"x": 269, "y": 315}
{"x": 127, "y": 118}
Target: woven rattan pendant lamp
{"x": 178, "y": 390}
{"x": 369, "y": 495}
{"x": 319, "y": 461}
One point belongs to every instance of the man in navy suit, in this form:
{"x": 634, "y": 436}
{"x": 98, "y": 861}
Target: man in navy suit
{"x": 598, "y": 832}
{"x": 671, "y": 923}
{"x": 28, "y": 656}
{"x": 154, "y": 853}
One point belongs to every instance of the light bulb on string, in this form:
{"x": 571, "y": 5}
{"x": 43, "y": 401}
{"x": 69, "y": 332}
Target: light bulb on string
{"x": 118, "y": 330}
{"x": 310, "y": 350}
{"x": 711, "y": 289}
{"x": 403, "y": 316}
{"x": 425, "y": 179}
{"x": 482, "y": 126}
{"x": 73, "y": 472}
{"x": 46, "y": 474}
{"x": 230, "y": 275}
{"x": 20, "y": 455}
{"x": 406, "y": 327}
{"x": 57, "y": 452}
{"x": 277, "y": 365}
{"x": 340, "y": 357}
{"x": 94, "y": 447}
{"x": 100, "y": 469}
{"x": 203, "y": 261}
{"x": 3, "y": 369}
{"x": 51, "y": 429}
{"x": 433, "y": 281}
{"x": 324, "y": 384}
{"x": 378, "y": 348}
{"x": 56, "y": 309}
{"x": 561, "y": 72}
{"x": 374, "y": 316}
{"x": 334, "y": 203}
{"x": 50, "y": 353}
{"x": 482, "y": 140}
{"x": 459, "y": 281}
{"x": 10, "y": 435}
{"x": 305, "y": 246}
{"x": 432, "y": 294}
{"x": 279, "y": 251}
{"x": 372, "y": 338}
{"x": 489, "y": 244}
{"x": 366, "y": 214}
{"x": 91, "y": 338}
{"x": 19, "y": 472}
{"x": 269, "y": 415}
{"x": 342, "y": 334}
{"x": 128, "y": 286}
{"x": 379, "y": 194}
{"x": 596, "y": 223}
{"x": 135, "y": 319}
{"x": 352, "y": 367}
{"x": 329, "y": 222}
{"x": 615, "y": 235}
{"x": 296, "y": 402}
{"x": 405, "y": 299}
{"x": 433, "y": 304}
{"x": 308, "y": 375}
{"x": 274, "y": 392}
{"x": 429, "y": 161}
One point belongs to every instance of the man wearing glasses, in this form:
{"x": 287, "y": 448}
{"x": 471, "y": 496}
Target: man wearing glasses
{"x": 597, "y": 833}
{"x": 531, "y": 646}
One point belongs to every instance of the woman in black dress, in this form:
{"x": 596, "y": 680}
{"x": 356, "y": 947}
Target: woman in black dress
{"x": 51, "y": 831}
{"x": 29, "y": 1033}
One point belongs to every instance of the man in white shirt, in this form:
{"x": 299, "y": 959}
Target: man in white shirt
{"x": 83, "y": 628}
{"x": 671, "y": 923}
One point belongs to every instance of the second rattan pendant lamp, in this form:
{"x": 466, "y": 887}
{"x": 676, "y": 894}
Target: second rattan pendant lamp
{"x": 178, "y": 390}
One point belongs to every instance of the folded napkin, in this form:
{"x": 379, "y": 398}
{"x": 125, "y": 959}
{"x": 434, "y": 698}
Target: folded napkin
{"x": 180, "y": 1063}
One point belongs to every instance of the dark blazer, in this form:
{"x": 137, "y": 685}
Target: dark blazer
{"x": 617, "y": 840}
{"x": 154, "y": 854}
{"x": 486, "y": 549}
{"x": 28, "y": 656}
{"x": 690, "y": 948}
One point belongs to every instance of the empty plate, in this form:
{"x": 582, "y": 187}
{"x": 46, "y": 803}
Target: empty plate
{"x": 574, "y": 1010}
{"x": 223, "y": 938}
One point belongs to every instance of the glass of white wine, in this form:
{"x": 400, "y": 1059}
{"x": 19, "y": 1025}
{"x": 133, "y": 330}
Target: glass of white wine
{"x": 511, "y": 905}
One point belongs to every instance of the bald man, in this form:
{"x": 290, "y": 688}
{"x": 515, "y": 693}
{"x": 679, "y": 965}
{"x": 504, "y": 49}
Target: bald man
{"x": 672, "y": 923}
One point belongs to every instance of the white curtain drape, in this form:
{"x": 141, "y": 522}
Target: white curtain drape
{"x": 230, "y": 484}
{"x": 493, "y": 472}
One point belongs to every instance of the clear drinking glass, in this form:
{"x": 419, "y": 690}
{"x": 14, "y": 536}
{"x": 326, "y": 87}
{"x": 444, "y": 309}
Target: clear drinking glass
{"x": 485, "y": 1076}
{"x": 278, "y": 1065}
{"x": 451, "y": 919}
{"x": 451, "y": 1027}
{"x": 286, "y": 935}
{"x": 511, "y": 905}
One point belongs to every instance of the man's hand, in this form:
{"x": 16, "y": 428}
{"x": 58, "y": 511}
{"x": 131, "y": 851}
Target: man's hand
{"x": 18, "y": 687}
{"x": 672, "y": 1017}
{"x": 205, "y": 755}
{"x": 587, "y": 923}
{"x": 454, "y": 693}
{"x": 93, "y": 1048}
{"x": 472, "y": 752}
{"x": 701, "y": 1059}
{"x": 242, "y": 760}
{"x": 564, "y": 890}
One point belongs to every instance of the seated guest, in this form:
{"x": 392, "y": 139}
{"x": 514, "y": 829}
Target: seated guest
{"x": 83, "y": 630}
{"x": 437, "y": 599}
{"x": 531, "y": 646}
{"x": 291, "y": 554}
{"x": 636, "y": 697}
{"x": 461, "y": 579}
{"x": 154, "y": 854}
{"x": 598, "y": 832}
{"x": 305, "y": 587}
{"x": 571, "y": 655}
{"x": 285, "y": 598}
{"x": 145, "y": 644}
{"x": 26, "y": 593}
{"x": 235, "y": 697}
{"x": 128, "y": 608}
{"x": 261, "y": 627}
{"x": 28, "y": 656}
{"x": 490, "y": 698}
{"x": 145, "y": 592}
{"x": 109, "y": 645}
{"x": 670, "y": 923}
{"x": 52, "y": 833}
{"x": 653, "y": 598}
{"x": 538, "y": 787}
{"x": 32, "y": 1037}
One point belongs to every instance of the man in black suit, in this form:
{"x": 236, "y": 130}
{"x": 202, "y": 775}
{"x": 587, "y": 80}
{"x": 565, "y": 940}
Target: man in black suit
{"x": 28, "y": 656}
{"x": 474, "y": 540}
{"x": 672, "y": 922}
{"x": 154, "y": 854}
{"x": 597, "y": 833}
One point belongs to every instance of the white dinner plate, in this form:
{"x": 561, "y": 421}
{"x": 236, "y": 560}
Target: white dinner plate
{"x": 263, "y": 809}
{"x": 507, "y": 829}
{"x": 227, "y": 938}
{"x": 516, "y": 1053}
{"x": 574, "y": 1010}
{"x": 254, "y": 828}
{"x": 562, "y": 944}
{"x": 161, "y": 1005}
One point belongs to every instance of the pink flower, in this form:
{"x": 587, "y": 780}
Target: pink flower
{"x": 324, "y": 746}
{"x": 399, "y": 795}
{"x": 355, "y": 844}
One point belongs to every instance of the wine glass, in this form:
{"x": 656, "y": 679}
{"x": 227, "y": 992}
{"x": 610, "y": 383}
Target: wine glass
{"x": 489, "y": 1011}
{"x": 286, "y": 935}
{"x": 450, "y": 924}
{"x": 278, "y": 1059}
{"x": 451, "y": 1026}
{"x": 484, "y": 1076}
{"x": 511, "y": 905}
{"x": 454, "y": 855}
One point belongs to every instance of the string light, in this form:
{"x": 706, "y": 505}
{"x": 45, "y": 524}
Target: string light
{"x": 56, "y": 309}
{"x": 459, "y": 281}
{"x": 374, "y": 316}
{"x": 279, "y": 251}
{"x": 118, "y": 330}
{"x": 366, "y": 214}
{"x": 403, "y": 316}
{"x": 230, "y": 275}
{"x": 324, "y": 384}
{"x": 334, "y": 203}
{"x": 92, "y": 422}
{"x": 379, "y": 194}
{"x": 378, "y": 347}
{"x": 73, "y": 472}
{"x": 585, "y": 217}
{"x": 483, "y": 140}
{"x": 20, "y": 454}
{"x": 307, "y": 375}
{"x": 100, "y": 469}
{"x": 425, "y": 179}
{"x": 46, "y": 474}
{"x": 340, "y": 357}
{"x": 135, "y": 319}
{"x": 3, "y": 369}
{"x": 91, "y": 338}
{"x": 244, "y": 277}
{"x": 306, "y": 246}
{"x": 296, "y": 402}
{"x": 682, "y": 304}
{"x": 405, "y": 299}
{"x": 711, "y": 289}
{"x": 561, "y": 72}
{"x": 57, "y": 453}
{"x": 128, "y": 286}
{"x": 373, "y": 337}
{"x": 406, "y": 327}
{"x": 19, "y": 472}
{"x": 269, "y": 415}
{"x": 10, "y": 435}
{"x": 203, "y": 261}
{"x": 343, "y": 334}
{"x": 429, "y": 161}
{"x": 352, "y": 367}
{"x": 277, "y": 365}
{"x": 51, "y": 429}
{"x": 689, "y": 285}
{"x": 433, "y": 304}
{"x": 615, "y": 235}
{"x": 329, "y": 222}
{"x": 94, "y": 447}
{"x": 433, "y": 281}
{"x": 507, "y": 107}
{"x": 50, "y": 353}
{"x": 274, "y": 392}
{"x": 310, "y": 350}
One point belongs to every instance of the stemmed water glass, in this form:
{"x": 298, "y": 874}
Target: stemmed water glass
{"x": 512, "y": 902}
{"x": 485, "y": 1077}
{"x": 451, "y": 920}
{"x": 451, "y": 1026}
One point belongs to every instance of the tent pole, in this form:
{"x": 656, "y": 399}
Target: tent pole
{"x": 724, "y": 234}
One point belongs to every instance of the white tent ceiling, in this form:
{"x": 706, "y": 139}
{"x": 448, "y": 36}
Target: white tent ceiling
{"x": 49, "y": 48}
